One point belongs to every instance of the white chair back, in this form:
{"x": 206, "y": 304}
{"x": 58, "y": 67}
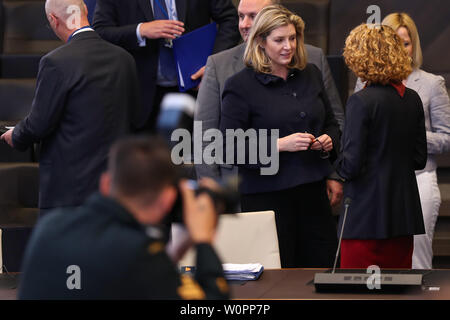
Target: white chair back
{"x": 247, "y": 237}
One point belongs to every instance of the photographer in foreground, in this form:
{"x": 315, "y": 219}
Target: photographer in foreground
{"x": 109, "y": 248}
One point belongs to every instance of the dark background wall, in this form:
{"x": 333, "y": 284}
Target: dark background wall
{"x": 431, "y": 17}
{"x": 328, "y": 22}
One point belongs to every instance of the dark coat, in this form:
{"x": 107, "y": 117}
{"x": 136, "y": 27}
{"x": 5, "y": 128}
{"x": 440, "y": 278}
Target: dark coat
{"x": 115, "y": 256}
{"x": 299, "y": 104}
{"x": 384, "y": 141}
{"x": 116, "y": 21}
{"x": 85, "y": 96}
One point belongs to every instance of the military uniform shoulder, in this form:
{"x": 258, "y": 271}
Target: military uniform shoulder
{"x": 50, "y": 225}
{"x": 155, "y": 247}
{"x": 58, "y": 216}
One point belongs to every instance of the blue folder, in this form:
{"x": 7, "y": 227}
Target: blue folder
{"x": 191, "y": 52}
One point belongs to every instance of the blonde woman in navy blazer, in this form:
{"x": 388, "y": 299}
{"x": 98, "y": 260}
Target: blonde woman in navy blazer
{"x": 436, "y": 105}
{"x": 278, "y": 89}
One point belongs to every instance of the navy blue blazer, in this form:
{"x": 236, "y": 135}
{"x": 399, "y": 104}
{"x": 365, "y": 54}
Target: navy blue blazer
{"x": 384, "y": 142}
{"x": 116, "y": 21}
{"x": 299, "y": 104}
{"x": 86, "y": 95}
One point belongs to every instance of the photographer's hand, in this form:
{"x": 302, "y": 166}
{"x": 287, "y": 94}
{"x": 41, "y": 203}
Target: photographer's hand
{"x": 200, "y": 216}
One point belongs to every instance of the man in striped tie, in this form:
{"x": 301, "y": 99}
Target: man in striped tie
{"x": 146, "y": 27}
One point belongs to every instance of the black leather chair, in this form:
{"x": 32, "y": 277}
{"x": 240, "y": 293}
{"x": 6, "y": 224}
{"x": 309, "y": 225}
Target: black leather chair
{"x": 16, "y": 96}
{"x": 19, "y": 190}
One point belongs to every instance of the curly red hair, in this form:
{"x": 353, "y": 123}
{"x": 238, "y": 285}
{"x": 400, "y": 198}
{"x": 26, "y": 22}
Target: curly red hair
{"x": 375, "y": 53}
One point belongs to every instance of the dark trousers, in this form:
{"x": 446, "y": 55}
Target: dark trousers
{"x": 307, "y": 236}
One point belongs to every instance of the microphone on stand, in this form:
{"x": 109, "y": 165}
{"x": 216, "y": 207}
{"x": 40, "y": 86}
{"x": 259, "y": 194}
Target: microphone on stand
{"x": 358, "y": 281}
{"x": 347, "y": 203}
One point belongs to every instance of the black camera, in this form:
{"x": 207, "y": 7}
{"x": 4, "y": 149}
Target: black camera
{"x": 225, "y": 196}
{"x": 177, "y": 112}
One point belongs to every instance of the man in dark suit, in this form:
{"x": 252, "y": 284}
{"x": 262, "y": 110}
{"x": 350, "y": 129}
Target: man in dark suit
{"x": 109, "y": 248}
{"x": 86, "y": 91}
{"x": 145, "y": 28}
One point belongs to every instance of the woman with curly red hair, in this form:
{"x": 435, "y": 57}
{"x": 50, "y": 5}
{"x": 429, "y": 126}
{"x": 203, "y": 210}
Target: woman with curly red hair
{"x": 383, "y": 143}
{"x": 436, "y": 105}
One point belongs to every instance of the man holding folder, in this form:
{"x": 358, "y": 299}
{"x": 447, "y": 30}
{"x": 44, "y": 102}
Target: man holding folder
{"x": 146, "y": 29}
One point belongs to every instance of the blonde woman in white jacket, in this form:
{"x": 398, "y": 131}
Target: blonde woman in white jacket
{"x": 433, "y": 93}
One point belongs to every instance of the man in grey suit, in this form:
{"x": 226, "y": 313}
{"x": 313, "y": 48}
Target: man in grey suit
{"x": 225, "y": 64}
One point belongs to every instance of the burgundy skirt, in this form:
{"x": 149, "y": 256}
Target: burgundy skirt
{"x": 393, "y": 253}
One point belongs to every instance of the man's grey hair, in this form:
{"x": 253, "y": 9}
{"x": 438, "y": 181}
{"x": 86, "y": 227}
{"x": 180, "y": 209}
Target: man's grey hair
{"x": 61, "y": 8}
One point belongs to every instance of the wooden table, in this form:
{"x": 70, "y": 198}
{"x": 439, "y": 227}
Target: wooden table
{"x": 297, "y": 284}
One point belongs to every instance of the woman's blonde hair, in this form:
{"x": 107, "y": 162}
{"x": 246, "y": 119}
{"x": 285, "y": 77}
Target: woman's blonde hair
{"x": 375, "y": 53}
{"x": 267, "y": 20}
{"x": 401, "y": 19}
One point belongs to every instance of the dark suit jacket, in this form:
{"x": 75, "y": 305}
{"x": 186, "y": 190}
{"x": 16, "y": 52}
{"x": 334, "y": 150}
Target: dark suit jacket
{"x": 117, "y": 20}
{"x": 115, "y": 256}
{"x": 383, "y": 143}
{"x": 263, "y": 101}
{"x": 86, "y": 90}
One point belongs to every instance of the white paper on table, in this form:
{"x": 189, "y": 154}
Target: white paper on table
{"x": 239, "y": 268}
